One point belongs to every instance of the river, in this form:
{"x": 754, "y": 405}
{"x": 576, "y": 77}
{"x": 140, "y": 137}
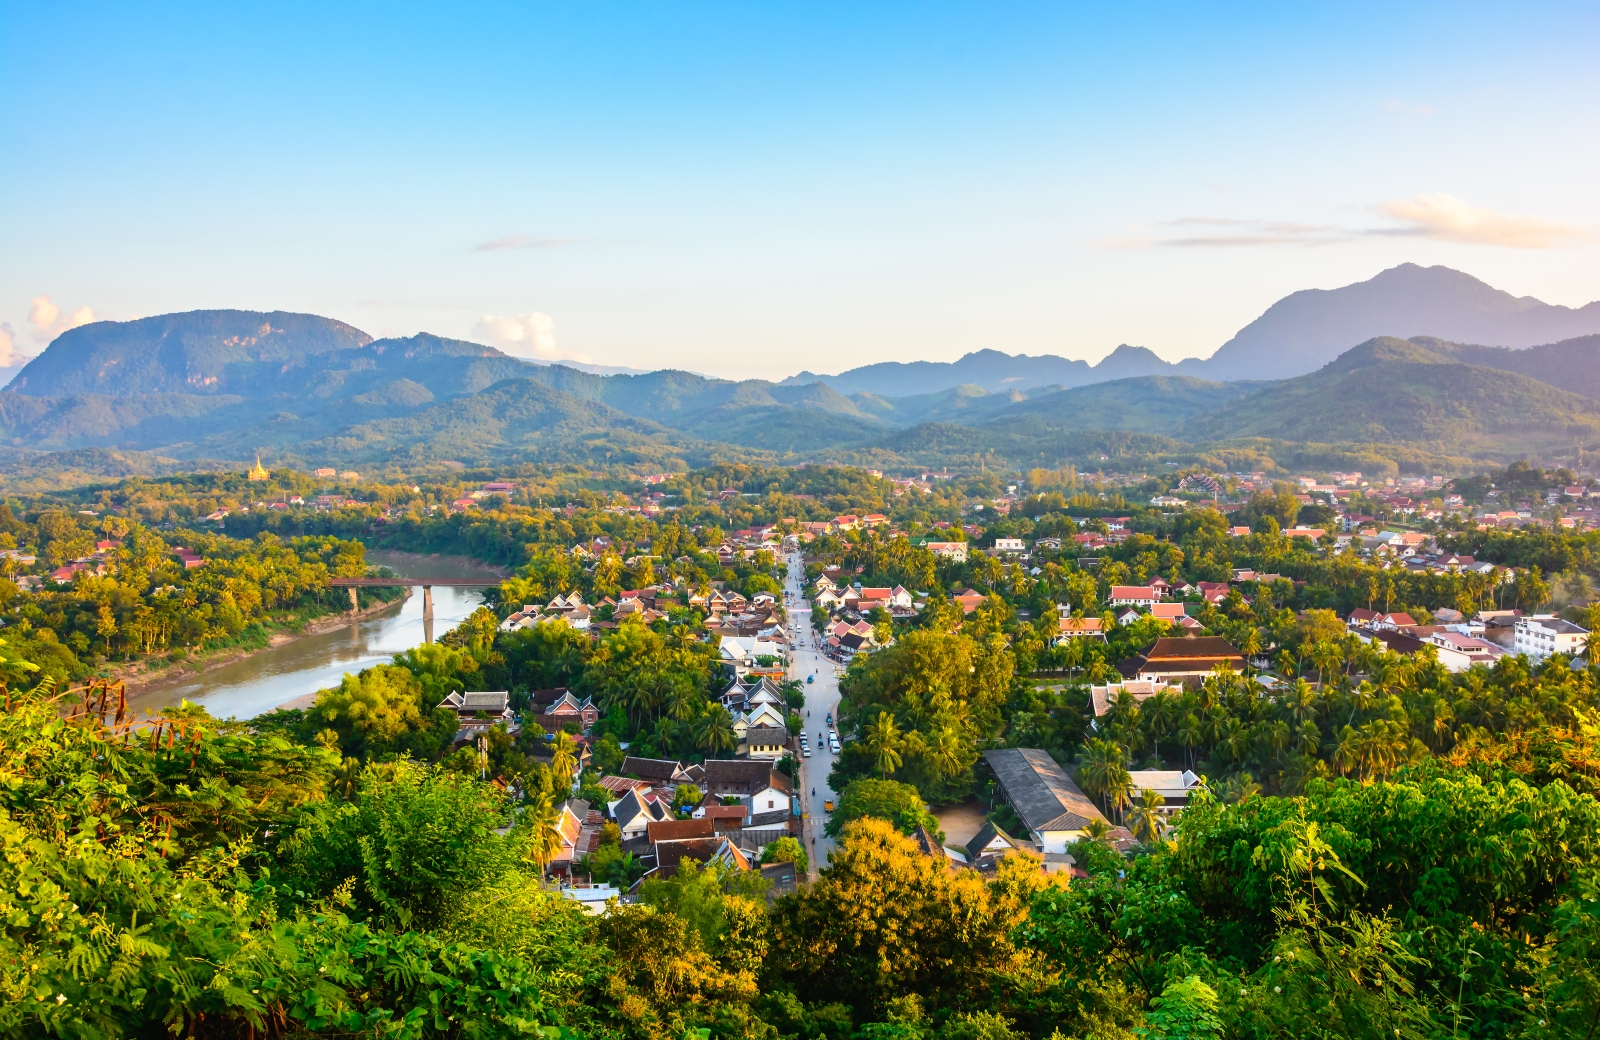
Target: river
{"x": 276, "y": 676}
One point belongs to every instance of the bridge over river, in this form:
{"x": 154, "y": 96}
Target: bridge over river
{"x": 427, "y": 585}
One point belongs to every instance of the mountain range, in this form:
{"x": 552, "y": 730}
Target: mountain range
{"x": 1298, "y": 334}
{"x": 218, "y": 387}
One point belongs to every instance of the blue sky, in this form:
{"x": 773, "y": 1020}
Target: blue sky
{"x": 757, "y": 189}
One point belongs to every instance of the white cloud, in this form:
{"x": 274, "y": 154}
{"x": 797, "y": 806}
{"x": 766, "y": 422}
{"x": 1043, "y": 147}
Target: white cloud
{"x": 1447, "y": 217}
{"x": 531, "y": 336}
{"x": 10, "y": 356}
{"x": 47, "y": 322}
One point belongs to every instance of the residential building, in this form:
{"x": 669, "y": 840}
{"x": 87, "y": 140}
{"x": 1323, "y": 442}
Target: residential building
{"x": 1080, "y": 628}
{"x": 1188, "y": 658}
{"x": 480, "y": 711}
{"x": 969, "y": 600}
{"x": 765, "y": 742}
{"x": 956, "y": 551}
{"x": 1044, "y": 798}
{"x": 659, "y": 772}
{"x": 1541, "y": 636}
{"x": 568, "y": 708}
{"x": 669, "y": 854}
{"x": 988, "y": 846}
{"x": 1175, "y": 614}
{"x": 1103, "y": 698}
{"x": 753, "y": 781}
{"x": 1172, "y": 785}
{"x": 1141, "y": 596}
{"x": 637, "y": 809}
{"x": 1459, "y": 652}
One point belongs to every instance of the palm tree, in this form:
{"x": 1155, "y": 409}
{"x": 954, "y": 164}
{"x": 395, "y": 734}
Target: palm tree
{"x": 1347, "y": 755}
{"x": 1158, "y": 713}
{"x": 1072, "y": 653}
{"x": 1362, "y": 698}
{"x": 1189, "y": 734}
{"x": 944, "y": 753}
{"x": 544, "y": 835}
{"x": 713, "y": 730}
{"x": 1301, "y": 702}
{"x": 1103, "y": 772}
{"x": 1096, "y": 830}
{"x": 1250, "y": 646}
{"x": 883, "y": 742}
{"x": 1325, "y": 656}
{"x": 1591, "y": 621}
{"x": 564, "y": 758}
{"x": 1233, "y": 739}
{"x": 1148, "y": 819}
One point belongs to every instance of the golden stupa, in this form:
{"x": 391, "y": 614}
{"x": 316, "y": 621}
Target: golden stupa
{"x": 258, "y": 471}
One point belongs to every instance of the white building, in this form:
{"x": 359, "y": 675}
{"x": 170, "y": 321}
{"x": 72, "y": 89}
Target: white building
{"x": 1539, "y": 637}
{"x": 1458, "y": 652}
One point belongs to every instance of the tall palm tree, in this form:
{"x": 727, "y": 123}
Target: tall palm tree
{"x": 944, "y": 751}
{"x": 564, "y": 758}
{"x": 883, "y": 742}
{"x": 1362, "y": 698}
{"x": 1072, "y": 653}
{"x": 1325, "y": 656}
{"x": 1158, "y": 713}
{"x": 1250, "y": 646}
{"x": 1189, "y": 735}
{"x": 543, "y": 819}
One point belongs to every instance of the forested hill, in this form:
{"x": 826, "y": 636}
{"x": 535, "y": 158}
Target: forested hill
{"x": 1399, "y": 391}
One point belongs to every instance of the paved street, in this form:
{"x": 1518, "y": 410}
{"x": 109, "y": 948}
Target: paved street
{"x": 822, "y": 698}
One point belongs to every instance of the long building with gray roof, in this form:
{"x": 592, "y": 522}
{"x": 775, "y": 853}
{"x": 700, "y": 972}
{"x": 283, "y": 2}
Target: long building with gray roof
{"x": 1045, "y": 799}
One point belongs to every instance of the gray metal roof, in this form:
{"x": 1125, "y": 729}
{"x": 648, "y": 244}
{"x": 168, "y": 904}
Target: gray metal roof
{"x": 1040, "y": 791}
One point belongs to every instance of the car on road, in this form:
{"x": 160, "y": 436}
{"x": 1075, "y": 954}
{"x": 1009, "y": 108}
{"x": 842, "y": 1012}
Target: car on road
{"x": 833, "y": 743}
{"x": 812, "y": 679}
{"x": 827, "y": 806}
{"x": 830, "y": 718}
{"x": 805, "y": 752}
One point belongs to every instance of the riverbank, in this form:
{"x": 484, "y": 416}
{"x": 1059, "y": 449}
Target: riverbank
{"x": 138, "y": 674}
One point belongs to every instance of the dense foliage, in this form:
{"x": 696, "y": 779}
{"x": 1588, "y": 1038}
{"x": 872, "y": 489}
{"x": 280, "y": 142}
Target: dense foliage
{"x": 130, "y": 596}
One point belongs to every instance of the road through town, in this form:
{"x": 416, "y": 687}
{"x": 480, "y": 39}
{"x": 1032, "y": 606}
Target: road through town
{"x": 822, "y": 699}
